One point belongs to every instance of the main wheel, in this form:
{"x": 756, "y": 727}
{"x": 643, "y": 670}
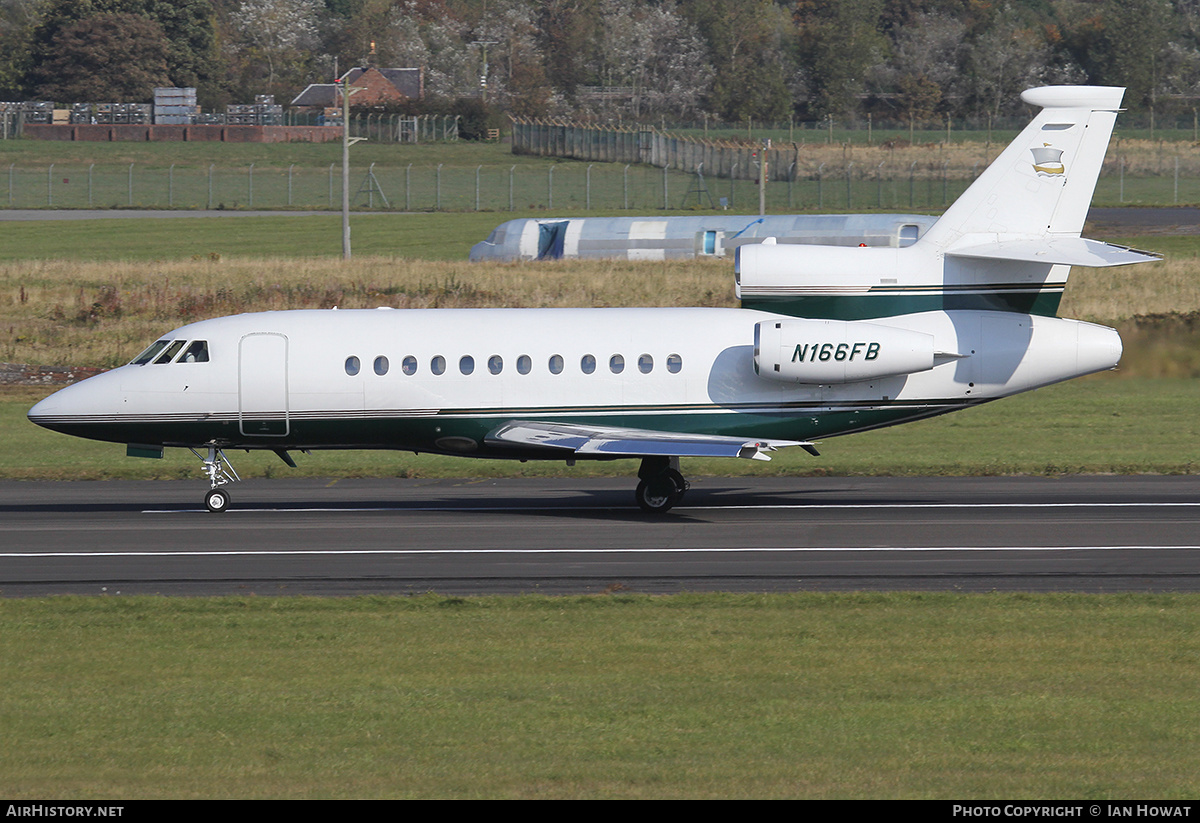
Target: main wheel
{"x": 217, "y": 500}
{"x": 658, "y": 494}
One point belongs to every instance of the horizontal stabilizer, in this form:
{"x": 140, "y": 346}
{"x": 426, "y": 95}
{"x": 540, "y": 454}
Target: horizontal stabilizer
{"x": 1067, "y": 251}
{"x": 580, "y": 439}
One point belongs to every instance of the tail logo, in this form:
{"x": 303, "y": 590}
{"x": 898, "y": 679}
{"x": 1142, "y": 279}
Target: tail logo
{"x": 1047, "y": 160}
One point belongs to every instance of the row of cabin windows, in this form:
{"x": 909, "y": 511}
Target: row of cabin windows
{"x": 495, "y": 364}
{"x": 165, "y": 351}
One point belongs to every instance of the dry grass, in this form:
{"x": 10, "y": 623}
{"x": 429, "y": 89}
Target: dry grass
{"x": 1142, "y": 158}
{"x": 67, "y": 312}
{"x": 103, "y": 313}
{"x": 1116, "y": 294}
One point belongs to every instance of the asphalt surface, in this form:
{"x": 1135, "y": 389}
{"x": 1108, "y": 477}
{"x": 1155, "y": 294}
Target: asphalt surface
{"x": 1090, "y": 534}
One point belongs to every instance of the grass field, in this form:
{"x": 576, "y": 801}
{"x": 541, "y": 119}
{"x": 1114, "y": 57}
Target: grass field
{"x": 612, "y": 696}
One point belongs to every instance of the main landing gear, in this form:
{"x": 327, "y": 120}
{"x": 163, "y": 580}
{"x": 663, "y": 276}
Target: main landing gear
{"x": 220, "y": 472}
{"x": 662, "y": 485}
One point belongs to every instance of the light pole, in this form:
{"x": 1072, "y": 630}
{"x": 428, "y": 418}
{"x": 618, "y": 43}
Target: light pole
{"x": 347, "y": 141}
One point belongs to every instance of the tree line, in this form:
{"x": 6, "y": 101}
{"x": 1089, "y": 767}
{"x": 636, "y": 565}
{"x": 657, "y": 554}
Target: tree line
{"x": 615, "y": 60}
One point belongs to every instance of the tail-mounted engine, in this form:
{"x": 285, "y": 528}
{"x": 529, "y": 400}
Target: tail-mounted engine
{"x": 838, "y": 351}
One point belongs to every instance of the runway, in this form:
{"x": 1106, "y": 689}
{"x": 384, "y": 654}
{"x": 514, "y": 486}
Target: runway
{"x": 579, "y": 535}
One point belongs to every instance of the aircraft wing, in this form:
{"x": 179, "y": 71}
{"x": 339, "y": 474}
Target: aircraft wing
{"x": 618, "y": 442}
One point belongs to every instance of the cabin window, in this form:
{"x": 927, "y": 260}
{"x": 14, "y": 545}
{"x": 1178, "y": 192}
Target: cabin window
{"x": 197, "y": 352}
{"x": 172, "y": 350}
{"x": 466, "y": 364}
{"x": 674, "y": 363}
{"x": 645, "y": 364}
{"x": 616, "y": 364}
{"x": 495, "y": 364}
{"x": 556, "y": 364}
{"x": 149, "y": 354}
{"x": 381, "y": 365}
{"x": 588, "y": 363}
{"x": 352, "y": 365}
{"x": 524, "y": 364}
{"x": 438, "y": 364}
{"x": 409, "y": 364}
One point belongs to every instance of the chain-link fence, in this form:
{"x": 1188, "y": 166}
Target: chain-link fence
{"x": 569, "y": 186}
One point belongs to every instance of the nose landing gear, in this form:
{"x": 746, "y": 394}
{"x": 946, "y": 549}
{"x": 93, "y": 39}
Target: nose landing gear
{"x": 220, "y": 472}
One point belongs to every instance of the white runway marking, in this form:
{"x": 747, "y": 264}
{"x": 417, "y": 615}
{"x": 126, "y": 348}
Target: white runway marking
{"x": 767, "y": 549}
{"x": 752, "y": 506}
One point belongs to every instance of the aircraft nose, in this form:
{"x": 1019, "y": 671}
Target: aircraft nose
{"x": 44, "y": 408}
{"x": 72, "y": 405}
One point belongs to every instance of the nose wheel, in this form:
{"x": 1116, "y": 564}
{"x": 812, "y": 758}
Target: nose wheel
{"x": 217, "y": 500}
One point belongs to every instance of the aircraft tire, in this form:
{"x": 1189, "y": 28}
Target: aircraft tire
{"x": 656, "y": 495}
{"x": 217, "y": 500}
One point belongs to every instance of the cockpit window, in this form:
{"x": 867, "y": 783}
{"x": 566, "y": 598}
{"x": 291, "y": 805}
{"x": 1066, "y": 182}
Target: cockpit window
{"x": 149, "y": 354}
{"x": 197, "y": 352}
{"x": 172, "y": 350}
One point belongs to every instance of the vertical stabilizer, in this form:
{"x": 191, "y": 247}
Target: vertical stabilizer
{"x": 1042, "y": 184}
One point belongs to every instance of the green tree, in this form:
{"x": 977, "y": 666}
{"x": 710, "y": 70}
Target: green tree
{"x": 1131, "y": 46}
{"x": 105, "y": 57}
{"x": 189, "y": 27}
{"x": 839, "y": 41}
{"x": 747, "y": 49}
{"x": 18, "y": 19}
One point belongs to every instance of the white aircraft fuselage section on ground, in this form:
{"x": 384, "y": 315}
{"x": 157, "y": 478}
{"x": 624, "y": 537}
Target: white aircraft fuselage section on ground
{"x": 829, "y": 340}
{"x": 280, "y": 379}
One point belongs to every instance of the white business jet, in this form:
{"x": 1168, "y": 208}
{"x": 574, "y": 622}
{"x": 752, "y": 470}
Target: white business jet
{"x": 829, "y": 340}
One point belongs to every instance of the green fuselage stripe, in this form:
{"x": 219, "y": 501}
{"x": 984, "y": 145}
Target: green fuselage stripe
{"x": 424, "y": 433}
{"x": 874, "y": 305}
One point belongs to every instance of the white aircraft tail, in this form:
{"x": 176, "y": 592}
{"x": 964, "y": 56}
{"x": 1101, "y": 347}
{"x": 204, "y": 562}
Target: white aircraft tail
{"x": 1007, "y": 244}
{"x": 1040, "y": 187}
